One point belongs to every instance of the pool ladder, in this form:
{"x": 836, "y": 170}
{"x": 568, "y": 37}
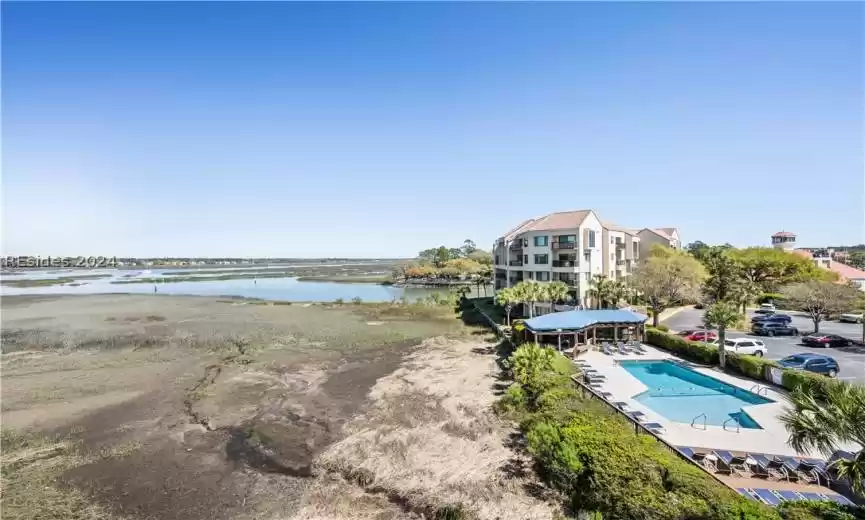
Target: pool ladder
{"x": 738, "y": 425}
{"x": 759, "y": 389}
{"x": 704, "y": 416}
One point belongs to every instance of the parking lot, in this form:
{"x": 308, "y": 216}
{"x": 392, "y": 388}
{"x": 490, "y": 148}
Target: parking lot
{"x": 850, "y": 359}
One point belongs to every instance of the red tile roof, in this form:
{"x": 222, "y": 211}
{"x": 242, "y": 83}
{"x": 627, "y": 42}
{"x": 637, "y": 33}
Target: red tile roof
{"x": 846, "y": 271}
{"x": 781, "y": 234}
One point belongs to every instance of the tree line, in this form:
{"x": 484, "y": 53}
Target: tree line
{"x": 466, "y": 263}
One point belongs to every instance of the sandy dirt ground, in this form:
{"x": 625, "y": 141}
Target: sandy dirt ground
{"x": 186, "y": 407}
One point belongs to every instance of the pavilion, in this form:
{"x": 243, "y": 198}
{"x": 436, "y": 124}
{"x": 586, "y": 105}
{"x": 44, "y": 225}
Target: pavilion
{"x": 583, "y": 326}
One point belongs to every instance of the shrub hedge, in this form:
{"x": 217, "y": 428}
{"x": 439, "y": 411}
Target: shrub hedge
{"x": 690, "y": 350}
{"x": 776, "y": 298}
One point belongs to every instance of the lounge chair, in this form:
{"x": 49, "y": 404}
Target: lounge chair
{"x": 607, "y": 349}
{"x": 810, "y": 495}
{"x": 639, "y": 349}
{"x": 745, "y": 492}
{"x": 623, "y": 350}
{"x": 767, "y": 497}
{"x": 621, "y": 405}
{"x": 791, "y": 465}
{"x": 637, "y": 415}
{"x": 844, "y": 501}
{"x": 787, "y": 494}
{"x": 606, "y": 395}
{"x": 730, "y": 463}
{"x": 814, "y": 470}
{"x": 699, "y": 457}
{"x": 768, "y": 468}
{"x": 654, "y": 427}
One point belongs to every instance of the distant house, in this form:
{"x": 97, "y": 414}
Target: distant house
{"x": 667, "y": 237}
{"x": 826, "y": 259}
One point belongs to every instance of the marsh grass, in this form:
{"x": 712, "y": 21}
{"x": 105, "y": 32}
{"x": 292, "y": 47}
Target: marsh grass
{"x": 32, "y": 484}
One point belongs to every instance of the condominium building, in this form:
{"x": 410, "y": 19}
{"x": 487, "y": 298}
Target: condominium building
{"x": 649, "y": 237}
{"x": 568, "y": 246}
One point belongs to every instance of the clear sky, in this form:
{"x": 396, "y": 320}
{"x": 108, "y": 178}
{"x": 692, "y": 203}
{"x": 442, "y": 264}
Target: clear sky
{"x": 287, "y": 129}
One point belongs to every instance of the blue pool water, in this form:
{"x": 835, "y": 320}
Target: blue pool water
{"x": 680, "y": 394}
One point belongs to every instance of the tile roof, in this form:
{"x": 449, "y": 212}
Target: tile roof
{"x": 560, "y": 220}
{"x": 783, "y": 234}
{"x": 669, "y": 231}
{"x": 614, "y": 227}
{"x": 510, "y": 234}
{"x": 846, "y": 271}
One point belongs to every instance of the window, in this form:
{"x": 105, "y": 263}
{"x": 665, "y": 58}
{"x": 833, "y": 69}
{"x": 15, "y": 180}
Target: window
{"x": 588, "y": 256}
{"x": 525, "y": 259}
{"x": 746, "y": 344}
{"x": 542, "y": 241}
{"x": 542, "y": 276}
{"x": 531, "y": 275}
{"x": 816, "y": 362}
{"x": 591, "y": 238}
{"x": 567, "y": 239}
{"x": 497, "y": 259}
{"x": 542, "y": 259}
{"x": 611, "y": 240}
{"x": 588, "y": 277}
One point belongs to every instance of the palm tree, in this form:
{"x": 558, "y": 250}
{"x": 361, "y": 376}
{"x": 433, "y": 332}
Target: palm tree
{"x": 722, "y": 315}
{"x": 822, "y": 417}
{"x": 521, "y": 295}
{"x": 600, "y": 290}
{"x": 535, "y": 292}
{"x": 507, "y": 299}
{"x": 557, "y": 291}
{"x": 618, "y": 291}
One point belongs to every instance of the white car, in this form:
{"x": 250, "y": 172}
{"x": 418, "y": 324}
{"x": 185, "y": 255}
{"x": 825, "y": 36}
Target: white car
{"x": 750, "y": 346}
{"x": 851, "y": 317}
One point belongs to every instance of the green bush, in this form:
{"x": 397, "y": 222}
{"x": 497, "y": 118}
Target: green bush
{"x": 818, "y": 510}
{"x": 690, "y": 350}
{"x": 663, "y": 327}
{"x": 776, "y": 298}
{"x": 791, "y": 379}
{"x": 751, "y": 366}
{"x": 538, "y": 369}
{"x": 600, "y": 465}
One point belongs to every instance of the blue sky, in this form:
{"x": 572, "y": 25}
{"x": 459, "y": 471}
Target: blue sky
{"x": 288, "y": 129}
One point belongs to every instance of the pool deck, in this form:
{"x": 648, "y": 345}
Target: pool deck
{"x": 771, "y": 439}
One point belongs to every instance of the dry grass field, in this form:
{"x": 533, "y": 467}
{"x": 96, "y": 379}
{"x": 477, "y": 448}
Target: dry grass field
{"x": 141, "y": 407}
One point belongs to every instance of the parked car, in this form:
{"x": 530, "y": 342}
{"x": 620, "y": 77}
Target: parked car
{"x": 817, "y": 363}
{"x": 774, "y": 328}
{"x": 818, "y": 339}
{"x": 687, "y": 332}
{"x": 745, "y": 346}
{"x": 702, "y": 335}
{"x": 776, "y": 318}
{"x": 851, "y": 317}
{"x": 765, "y": 308}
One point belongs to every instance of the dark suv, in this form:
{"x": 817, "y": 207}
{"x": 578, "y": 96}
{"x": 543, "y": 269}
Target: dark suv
{"x": 816, "y": 363}
{"x": 772, "y": 318}
{"x": 772, "y": 328}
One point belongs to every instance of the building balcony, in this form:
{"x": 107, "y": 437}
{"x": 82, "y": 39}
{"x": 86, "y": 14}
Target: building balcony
{"x": 565, "y": 263}
{"x": 620, "y": 244}
{"x": 564, "y": 245}
{"x": 515, "y": 263}
{"x": 620, "y": 261}
{"x": 516, "y": 246}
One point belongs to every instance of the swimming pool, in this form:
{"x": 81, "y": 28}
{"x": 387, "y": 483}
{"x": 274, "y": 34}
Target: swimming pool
{"x": 681, "y": 394}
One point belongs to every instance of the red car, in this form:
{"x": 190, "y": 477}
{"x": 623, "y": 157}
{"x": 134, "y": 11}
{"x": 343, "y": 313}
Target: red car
{"x": 702, "y": 335}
